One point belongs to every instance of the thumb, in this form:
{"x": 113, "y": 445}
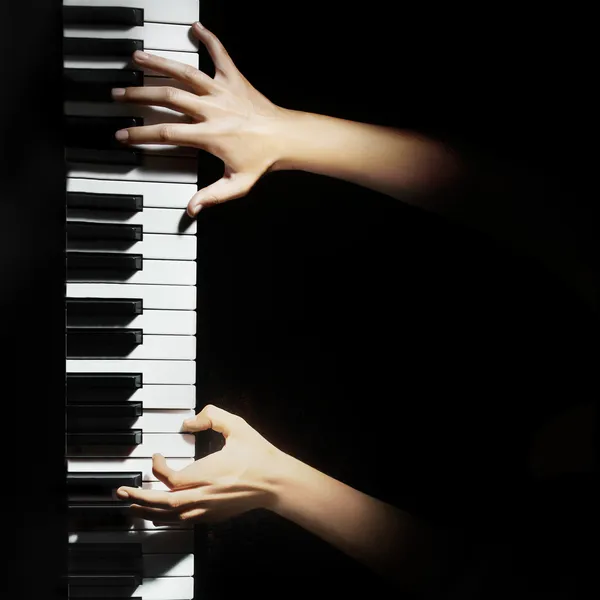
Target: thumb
{"x": 212, "y": 417}
{"x": 226, "y": 188}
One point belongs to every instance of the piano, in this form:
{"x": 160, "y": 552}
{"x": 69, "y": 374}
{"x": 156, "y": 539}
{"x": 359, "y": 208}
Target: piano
{"x": 130, "y": 303}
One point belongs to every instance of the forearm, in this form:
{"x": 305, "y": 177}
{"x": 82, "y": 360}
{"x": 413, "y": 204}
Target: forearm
{"x": 387, "y": 540}
{"x": 469, "y": 188}
{"x": 391, "y": 161}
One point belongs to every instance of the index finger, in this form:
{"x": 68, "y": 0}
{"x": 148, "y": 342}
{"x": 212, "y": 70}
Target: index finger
{"x": 196, "y": 79}
{"x": 159, "y": 498}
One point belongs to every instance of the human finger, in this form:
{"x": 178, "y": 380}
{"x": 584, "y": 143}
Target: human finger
{"x": 226, "y": 188}
{"x": 159, "y": 498}
{"x": 200, "y": 82}
{"x": 212, "y": 417}
{"x": 174, "y": 479}
{"x": 167, "y": 96}
{"x": 177, "y": 134}
{"x": 161, "y": 516}
{"x": 219, "y": 55}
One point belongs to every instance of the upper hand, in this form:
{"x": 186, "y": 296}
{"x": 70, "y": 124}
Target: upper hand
{"x": 229, "y": 118}
{"x": 223, "y": 484}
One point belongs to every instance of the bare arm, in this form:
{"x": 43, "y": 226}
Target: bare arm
{"x": 390, "y": 541}
{"x": 232, "y": 120}
{"x": 249, "y": 473}
{"x": 499, "y": 200}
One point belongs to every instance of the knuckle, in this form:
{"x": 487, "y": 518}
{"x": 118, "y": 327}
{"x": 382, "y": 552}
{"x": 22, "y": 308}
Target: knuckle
{"x": 165, "y": 133}
{"x": 189, "y": 72}
{"x": 171, "y": 94}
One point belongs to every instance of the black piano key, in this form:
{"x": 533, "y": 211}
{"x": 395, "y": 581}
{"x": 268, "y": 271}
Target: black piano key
{"x": 121, "y": 156}
{"x": 95, "y": 85}
{"x": 102, "y": 342}
{"x": 111, "y": 597}
{"x": 125, "y": 202}
{"x": 94, "y": 488}
{"x": 88, "y": 382}
{"x": 100, "y": 16}
{"x": 133, "y": 437}
{"x": 98, "y": 581}
{"x": 107, "y": 261}
{"x": 100, "y": 46}
{"x": 96, "y": 132}
{"x": 100, "y": 516}
{"x": 118, "y": 410}
{"x": 91, "y": 480}
{"x": 104, "y": 231}
{"x": 96, "y": 307}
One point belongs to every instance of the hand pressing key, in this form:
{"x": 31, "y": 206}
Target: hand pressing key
{"x": 230, "y": 119}
{"x": 224, "y": 484}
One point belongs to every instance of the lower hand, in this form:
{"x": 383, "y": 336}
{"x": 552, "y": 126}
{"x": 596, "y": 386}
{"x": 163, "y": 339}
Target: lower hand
{"x": 229, "y": 118}
{"x": 224, "y": 484}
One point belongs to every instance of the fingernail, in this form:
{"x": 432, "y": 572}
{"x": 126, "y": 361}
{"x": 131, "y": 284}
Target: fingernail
{"x": 122, "y": 493}
{"x": 118, "y": 92}
{"x": 141, "y": 56}
{"x": 122, "y": 135}
{"x": 198, "y": 25}
{"x": 196, "y": 209}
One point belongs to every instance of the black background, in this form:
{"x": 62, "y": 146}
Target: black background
{"x": 404, "y": 355}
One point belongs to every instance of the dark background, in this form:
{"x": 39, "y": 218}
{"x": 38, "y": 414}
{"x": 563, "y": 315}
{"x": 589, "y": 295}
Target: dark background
{"x": 395, "y": 351}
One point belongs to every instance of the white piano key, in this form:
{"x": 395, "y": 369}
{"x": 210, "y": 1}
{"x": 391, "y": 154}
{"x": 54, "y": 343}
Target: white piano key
{"x": 170, "y": 444}
{"x": 155, "y": 194}
{"x": 153, "y": 322}
{"x": 161, "y": 347}
{"x": 156, "y": 36}
{"x": 162, "y": 169}
{"x": 152, "y": 246}
{"x": 153, "y": 371}
{"x": 184, "y": 12}
{"x": 75, "y": 62}
{"x": 165, "y": 541}
{"x": 166, "y": 272}
{"x": 171, "y": 221}
{"x": 171, "y": 586}
{"x": 167, "y": 567}
{"x": 174, "y": 297}
{"x": 120, "y": 465}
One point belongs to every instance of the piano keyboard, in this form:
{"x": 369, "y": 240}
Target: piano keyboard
{"x": 130, "y": 300}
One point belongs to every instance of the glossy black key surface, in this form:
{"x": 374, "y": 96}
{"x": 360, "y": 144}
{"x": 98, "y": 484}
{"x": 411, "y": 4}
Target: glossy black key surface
{"x": 133, "y": 437}
{"x": 97, "y": 335}
{"x": 100, "y": 342}
{"x": 94, "y": 480}
{"x": 124, "y": 202}
{"x": 99, "y": 307}
{"x": 108, "y": 261}
{"x": 101, "y": 47}
{"x": 106, "y": 410}
{"x": 95, "y": 85}
{"x": 105, "y": 564}
{"x": 100, "y": 516}
{"x": 104, "y": 231}
{"x": 97, "y": 132}
{"x": 104, "y": 381}
{"x": 98, "y": 581}
{"x": 123, "y": 156}
{"x": 103, "y": 15}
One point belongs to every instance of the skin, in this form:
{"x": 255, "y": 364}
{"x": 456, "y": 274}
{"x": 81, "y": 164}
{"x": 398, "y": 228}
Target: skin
{"x": 229, "y": 118}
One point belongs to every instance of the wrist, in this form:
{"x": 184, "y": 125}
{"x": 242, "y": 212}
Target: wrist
{"x": 291, "y": 132}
